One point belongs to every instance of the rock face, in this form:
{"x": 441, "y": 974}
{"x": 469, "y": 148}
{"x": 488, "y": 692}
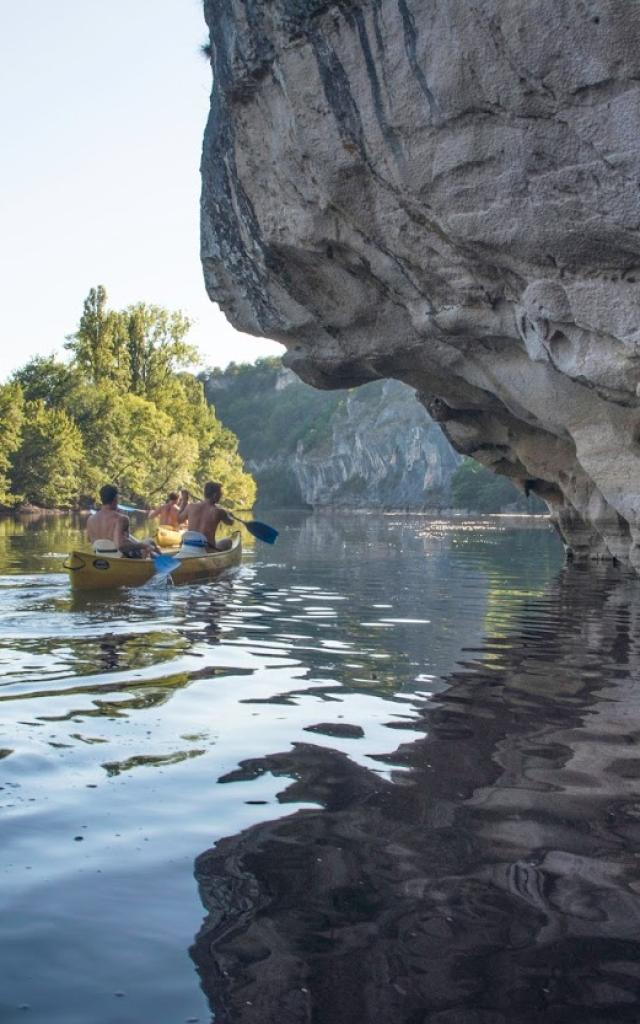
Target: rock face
{"x": 389, "y": 454}
{"x": 445, "y": 192}
{"x": 372, "y": 447}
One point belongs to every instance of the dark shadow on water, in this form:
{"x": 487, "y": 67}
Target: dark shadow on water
{"x": 494, "y": 879}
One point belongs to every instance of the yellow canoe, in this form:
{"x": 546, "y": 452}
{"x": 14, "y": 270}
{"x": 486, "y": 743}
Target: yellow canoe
{"x": 88, "y": 571}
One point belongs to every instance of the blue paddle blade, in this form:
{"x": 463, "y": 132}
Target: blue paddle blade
{"x": 261, "y": 531}
{"x": 165, "y": 563}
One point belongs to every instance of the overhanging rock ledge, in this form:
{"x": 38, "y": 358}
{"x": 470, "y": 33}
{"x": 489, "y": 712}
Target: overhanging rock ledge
{"x": 446, "y": 192}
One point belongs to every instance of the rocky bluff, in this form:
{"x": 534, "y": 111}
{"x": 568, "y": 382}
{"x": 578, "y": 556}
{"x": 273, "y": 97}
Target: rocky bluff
{"x": 371, "y": 447}
{"x": 446, "y": 192}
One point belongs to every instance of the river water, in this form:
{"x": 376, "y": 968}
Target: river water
{"x": 388, "y": 770}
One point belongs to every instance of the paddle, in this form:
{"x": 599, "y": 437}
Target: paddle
{"x": 131, "y": 508}
{"x": 261, "y": 531}
{"x": 122, "y": 508}
{"x": 165, "y": 563}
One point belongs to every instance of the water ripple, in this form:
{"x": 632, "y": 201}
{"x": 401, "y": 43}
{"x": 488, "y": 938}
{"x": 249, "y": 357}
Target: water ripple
{"x": 122, "y": 714}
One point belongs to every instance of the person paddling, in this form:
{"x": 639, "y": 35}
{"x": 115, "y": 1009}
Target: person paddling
{"x": 167, "y": 513}
{"x": 108, "y": 529}
{"x": 203, "y": 519}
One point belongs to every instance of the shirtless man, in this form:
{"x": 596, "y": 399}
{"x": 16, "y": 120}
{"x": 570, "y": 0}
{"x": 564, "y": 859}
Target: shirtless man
{"x": 167, "y": 512}
{"x": 203, "y": 519}
{"x": 108, "y": 524}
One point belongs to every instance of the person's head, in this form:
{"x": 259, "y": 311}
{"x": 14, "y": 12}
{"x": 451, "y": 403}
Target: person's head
{"x": 172, "y": 497}
{"x": 212, "y": 491}
{"x": 184, "y": 494}
{"x": 109, "y": 495}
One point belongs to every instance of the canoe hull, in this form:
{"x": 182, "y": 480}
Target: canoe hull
{"x": 88, "y": 571}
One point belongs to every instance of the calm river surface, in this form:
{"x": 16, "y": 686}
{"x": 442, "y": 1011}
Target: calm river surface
{"x": 388, "y": 770}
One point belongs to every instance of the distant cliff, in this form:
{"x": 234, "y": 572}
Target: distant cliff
{"x": 373, "y": 447}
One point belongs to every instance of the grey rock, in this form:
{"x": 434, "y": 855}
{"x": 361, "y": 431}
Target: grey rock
{"x": 445, "y": 192}
{"x": 339, "y": 729}
{"x": 371, "y": 447}
{"x": 384, "y": 453}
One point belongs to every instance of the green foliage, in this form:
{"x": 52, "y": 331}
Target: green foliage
{"x": 11, "y": 419}
{"x": 280, "y": 486}
{"x": 239, "y": 488}
{"x": 156, "y": 348}
{"x": 477, "y": 489}
{"x": 47, "y": 463}
{"x": 267, "y": 418}
{"x": 45, "y": 378}
{"x": 129, "y": 442}
{"x": 99, "y": 346}
{"x": 122, "y": 411}
{"x": 138, "y": 349}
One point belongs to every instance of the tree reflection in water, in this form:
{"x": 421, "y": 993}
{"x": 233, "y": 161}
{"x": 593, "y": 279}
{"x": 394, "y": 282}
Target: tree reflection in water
{"x": 496, "y": 881}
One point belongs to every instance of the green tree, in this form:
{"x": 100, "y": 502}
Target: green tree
{"x": 48, "y": 379}
{"x": 122, "y": 410}
{"x": 11, "y": 419}
{"x": 99, "y": 346}
{"x": 156, "y": 349}
{"x": 45, "y": 468}
{"x": 132, "y": 443}
{"x": 217, "y": 447}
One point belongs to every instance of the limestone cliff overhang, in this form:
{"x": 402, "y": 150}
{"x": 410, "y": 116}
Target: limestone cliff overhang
{"x": 446, "y": 192}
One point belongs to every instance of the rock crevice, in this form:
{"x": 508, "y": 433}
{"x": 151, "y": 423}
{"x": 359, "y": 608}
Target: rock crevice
{"x": 446, "y": 193}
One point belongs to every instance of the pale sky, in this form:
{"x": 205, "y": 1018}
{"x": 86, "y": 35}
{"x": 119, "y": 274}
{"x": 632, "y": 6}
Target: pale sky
{"x": 102, "y": 110}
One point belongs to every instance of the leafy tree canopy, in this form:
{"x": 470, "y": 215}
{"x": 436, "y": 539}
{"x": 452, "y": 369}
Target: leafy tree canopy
{"x": 47, "y": 463}
{"x": 11, "y": 418}
{"x": 124, "y": 410}
{"x": 47, "y": 379}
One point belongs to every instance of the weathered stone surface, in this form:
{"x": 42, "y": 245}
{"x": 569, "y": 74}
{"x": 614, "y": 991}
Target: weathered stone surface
{"x": 384, "y": 454}
{"x": 445, "y": 192}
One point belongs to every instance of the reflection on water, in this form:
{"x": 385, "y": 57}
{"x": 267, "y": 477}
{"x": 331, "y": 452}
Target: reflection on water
{"x": 498, "y": 880}
{"x": 485, "y": 862}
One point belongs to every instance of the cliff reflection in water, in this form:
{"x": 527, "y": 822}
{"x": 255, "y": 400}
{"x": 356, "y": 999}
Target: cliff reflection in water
{"x": 496, "y": 881}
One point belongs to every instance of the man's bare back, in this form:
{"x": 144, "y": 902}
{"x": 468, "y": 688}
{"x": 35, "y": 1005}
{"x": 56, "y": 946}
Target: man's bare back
{"x": 205, "y": 516}
{"x": 108, "y": 524}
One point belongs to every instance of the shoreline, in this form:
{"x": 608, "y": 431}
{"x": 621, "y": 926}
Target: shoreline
{"x": 35, "y": 512}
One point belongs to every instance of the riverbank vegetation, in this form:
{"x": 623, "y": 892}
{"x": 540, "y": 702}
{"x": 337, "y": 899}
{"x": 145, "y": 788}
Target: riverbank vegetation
{"x": 477, "y": 489}
{"x": 123, "y": 408}
{"x": 275, "y": 411}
